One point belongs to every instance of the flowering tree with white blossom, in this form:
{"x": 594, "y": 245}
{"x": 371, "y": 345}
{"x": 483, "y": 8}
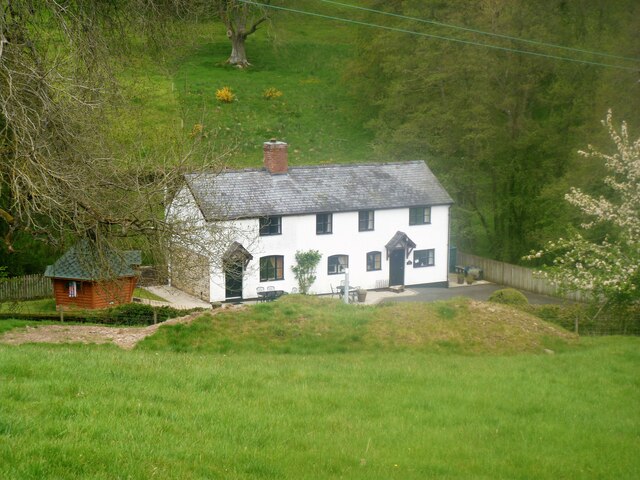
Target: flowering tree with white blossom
{"x": 608, "y": 269}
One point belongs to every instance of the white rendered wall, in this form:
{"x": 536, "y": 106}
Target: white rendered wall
{"x": 299, "y": 233}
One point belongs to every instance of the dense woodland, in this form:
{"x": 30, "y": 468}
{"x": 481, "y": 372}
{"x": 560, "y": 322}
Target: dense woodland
{"x": 500, "y": 128}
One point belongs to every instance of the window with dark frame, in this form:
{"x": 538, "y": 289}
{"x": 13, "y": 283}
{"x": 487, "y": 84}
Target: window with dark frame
{"x": 419, "y": 215}
{"x": 271, "y": 268}
{"x": 365, "y": 220}
{"x": 337, "y": 263}
{"x": 423, "y": 258}
{"x": 324, "y": 223}
{"x": 374, "y": 261}
{"x": 271, "y": 225}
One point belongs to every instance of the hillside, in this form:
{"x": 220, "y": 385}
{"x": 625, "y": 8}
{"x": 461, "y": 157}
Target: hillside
{"x": 312, "y": 109}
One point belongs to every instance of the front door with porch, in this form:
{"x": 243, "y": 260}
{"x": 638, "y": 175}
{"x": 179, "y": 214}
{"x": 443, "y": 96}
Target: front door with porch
{"x": 233, "y": 279}
{"x": 396, "y": 267}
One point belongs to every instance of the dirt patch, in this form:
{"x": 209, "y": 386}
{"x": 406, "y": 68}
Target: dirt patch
{"x": 125, "y": 338}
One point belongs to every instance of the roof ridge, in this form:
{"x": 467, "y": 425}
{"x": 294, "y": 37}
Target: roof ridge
{"x": 306, "y": 167}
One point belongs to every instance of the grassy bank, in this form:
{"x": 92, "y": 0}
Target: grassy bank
{"x": 97, "y": 412}
{"x": 308, "y": 324}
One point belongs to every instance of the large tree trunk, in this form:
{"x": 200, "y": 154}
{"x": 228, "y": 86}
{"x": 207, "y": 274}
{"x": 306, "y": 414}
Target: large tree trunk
{"x": 238, "y": 55}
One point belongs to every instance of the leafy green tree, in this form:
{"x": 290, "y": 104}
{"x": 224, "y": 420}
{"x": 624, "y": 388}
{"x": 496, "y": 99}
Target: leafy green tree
{"x": 605, "y": 266}
{"x": 305, "y": 269}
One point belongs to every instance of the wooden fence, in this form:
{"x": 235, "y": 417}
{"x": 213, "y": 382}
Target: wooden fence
{"x": 514, "y": 276}
{"x": 25, "y": 288}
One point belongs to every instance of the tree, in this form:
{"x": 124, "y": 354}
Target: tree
{"x": 499, "y": 128}
{"x": 241, "y": 20}
{"x": 61, "y": 179}
{"x": 603, "y": 259}
{"x": 305, "y": 269}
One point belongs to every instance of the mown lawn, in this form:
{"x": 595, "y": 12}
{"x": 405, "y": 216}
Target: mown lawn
{"x": 99, "y": 412}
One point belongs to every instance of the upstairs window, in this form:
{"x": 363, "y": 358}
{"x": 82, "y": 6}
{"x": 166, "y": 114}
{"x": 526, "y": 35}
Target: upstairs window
{"x": 419, "y": 215}
{"x": 324, "y": 223}
{"x": 337, "y": 264}
{"x": 374, "y": 261}
{"x": 270, "y": 225}
{"x": 271, "y": 268}
{"x": 423, "y": 258}
{"x": 365, "y": 220}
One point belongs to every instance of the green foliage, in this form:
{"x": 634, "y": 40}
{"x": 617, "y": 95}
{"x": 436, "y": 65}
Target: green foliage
{"x": 602, "y": 260}
{"x": 136, "y": 314}
{"x": 499, "y": 129}
{"x": 305, "y": 268}
{"x": 509, "y": 296}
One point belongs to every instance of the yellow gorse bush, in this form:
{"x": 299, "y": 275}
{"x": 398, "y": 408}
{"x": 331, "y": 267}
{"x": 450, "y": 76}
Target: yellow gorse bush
{"x": 197, "y": 130}
{"x": 271, "y": 93}
{"x": 225, "y": 95}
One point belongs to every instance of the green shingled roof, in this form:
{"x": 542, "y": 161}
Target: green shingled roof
{"x": 83, "y": 261}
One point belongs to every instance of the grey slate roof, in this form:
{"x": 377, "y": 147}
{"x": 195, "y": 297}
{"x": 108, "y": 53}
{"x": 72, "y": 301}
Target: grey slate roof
{"x": 315, "y": 189}
{"x": 82, "y": 262}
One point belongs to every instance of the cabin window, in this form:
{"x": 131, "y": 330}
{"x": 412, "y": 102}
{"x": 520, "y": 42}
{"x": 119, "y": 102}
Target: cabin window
{"x": 365, "y": 220}
{"x": 271, "y": 268}
{"x": 374, "y": 261}
{"x": 337, "y": 264}
{"x": 73, "y": 289}
{"x": 324, "y": 223}
{"x": 423, "y": 258}
{"x": 419, "y": 215}
{"x": 271, "y": 225}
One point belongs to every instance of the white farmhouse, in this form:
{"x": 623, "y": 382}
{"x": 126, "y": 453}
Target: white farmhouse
{"x": 388, "y": 223}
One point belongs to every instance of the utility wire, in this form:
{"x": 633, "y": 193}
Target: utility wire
{"x": 439, "y": 37}
{"x": 481, "y": 32}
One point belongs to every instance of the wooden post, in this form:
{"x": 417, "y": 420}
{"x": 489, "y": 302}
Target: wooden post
{"x": 61, "y": 313}
{"x": 155, "y": 316}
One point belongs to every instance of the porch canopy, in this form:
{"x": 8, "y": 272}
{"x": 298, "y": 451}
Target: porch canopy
{"x": 236, "y": 253}
{"x": 400, "y": 241}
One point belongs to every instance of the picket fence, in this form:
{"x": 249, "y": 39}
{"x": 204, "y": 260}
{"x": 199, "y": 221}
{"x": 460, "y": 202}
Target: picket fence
{"x": 514, "y": 276}
{"x": 26, "y": 287}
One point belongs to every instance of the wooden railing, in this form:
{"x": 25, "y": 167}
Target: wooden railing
{"x": 25, "y": 287}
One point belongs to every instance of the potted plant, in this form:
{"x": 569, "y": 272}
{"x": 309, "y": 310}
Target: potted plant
{"x": 362, "y": 295}
{"x": 460, "y": 278}
{"x": 470, "y": 278}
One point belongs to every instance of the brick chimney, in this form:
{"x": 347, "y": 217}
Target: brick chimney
{"x": 275, "y": 157}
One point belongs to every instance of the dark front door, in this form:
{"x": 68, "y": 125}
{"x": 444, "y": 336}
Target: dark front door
{"x": 233, "y": 279}
{"x": 396, "y": 267}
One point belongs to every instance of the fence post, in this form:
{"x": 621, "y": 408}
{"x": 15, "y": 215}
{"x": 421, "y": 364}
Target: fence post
{"x": 155, "y": 315}
{"x": 61, "y": 313}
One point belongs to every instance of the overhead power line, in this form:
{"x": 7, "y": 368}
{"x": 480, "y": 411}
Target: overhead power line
{"x": 482, "y": 32}
{"x": 440, "y": 37}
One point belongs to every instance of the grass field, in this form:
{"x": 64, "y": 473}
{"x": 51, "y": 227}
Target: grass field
{"x": 98, "y": 412}
{"x": 362, "y": 393}
{"x": 316, "y": 113}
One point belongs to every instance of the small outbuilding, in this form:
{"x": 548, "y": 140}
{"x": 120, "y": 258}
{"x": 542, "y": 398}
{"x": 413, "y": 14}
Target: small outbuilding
{"x": 88, "y": 277}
